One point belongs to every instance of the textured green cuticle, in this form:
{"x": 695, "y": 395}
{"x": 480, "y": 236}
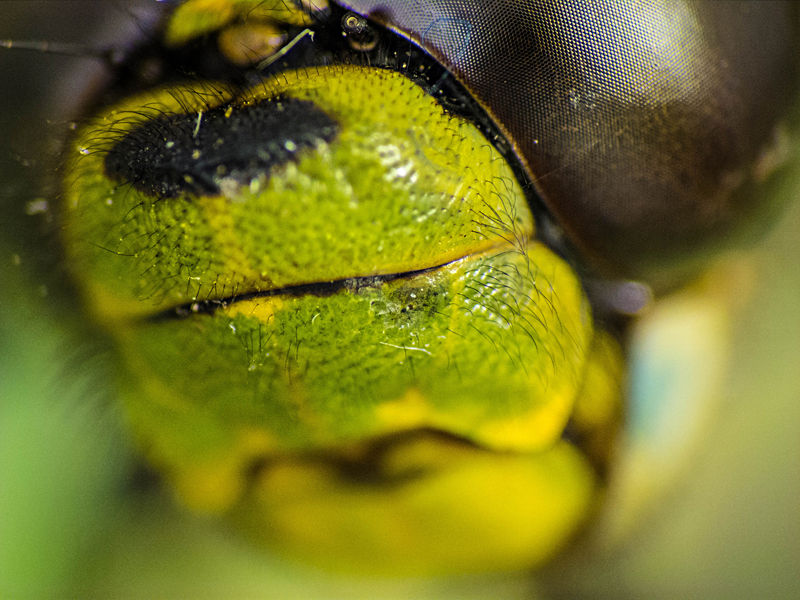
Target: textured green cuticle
{"x": 362, "y": 296}
{"x": 402, "y": 186}
{"x": 483, "y": 342}
{"x": 488, "y": 341}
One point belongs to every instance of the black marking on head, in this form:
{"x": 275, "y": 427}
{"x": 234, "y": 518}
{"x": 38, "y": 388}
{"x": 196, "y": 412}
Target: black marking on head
{"x": 193, "y": 153}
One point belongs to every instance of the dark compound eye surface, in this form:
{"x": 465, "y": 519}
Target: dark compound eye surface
{"x": 648, "y": 128}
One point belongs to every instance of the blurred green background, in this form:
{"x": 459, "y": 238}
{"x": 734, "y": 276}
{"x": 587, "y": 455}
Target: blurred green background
{"x": 77, "y": 521}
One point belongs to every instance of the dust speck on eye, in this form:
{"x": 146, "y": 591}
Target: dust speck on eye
{"x": 35, "y": 207}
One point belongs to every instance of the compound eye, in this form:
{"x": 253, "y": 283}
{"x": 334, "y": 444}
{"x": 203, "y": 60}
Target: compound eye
{"x": 654, "y": 132}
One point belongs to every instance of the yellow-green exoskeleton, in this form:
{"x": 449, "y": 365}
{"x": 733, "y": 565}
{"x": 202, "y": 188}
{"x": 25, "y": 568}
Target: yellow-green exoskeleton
{"x": 336, "y": 322}
{"x": 340, "y": 316}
